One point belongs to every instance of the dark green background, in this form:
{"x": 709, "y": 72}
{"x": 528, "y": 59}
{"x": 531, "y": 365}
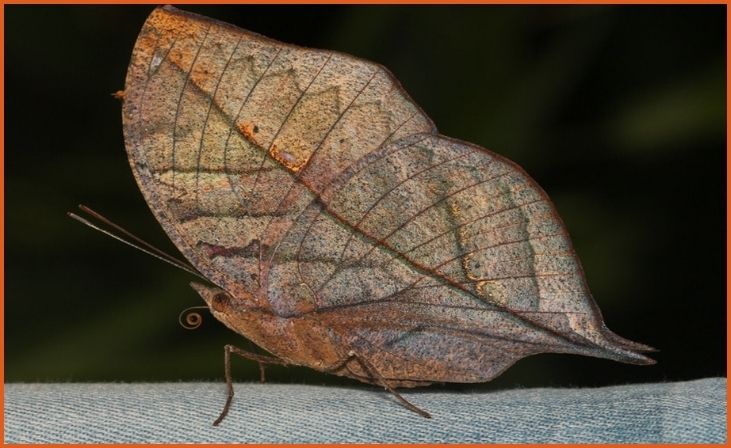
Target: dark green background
{"x": 618, "y": 112}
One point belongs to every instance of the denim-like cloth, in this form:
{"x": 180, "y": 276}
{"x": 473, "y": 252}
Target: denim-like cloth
{"x": 692, "y": 411}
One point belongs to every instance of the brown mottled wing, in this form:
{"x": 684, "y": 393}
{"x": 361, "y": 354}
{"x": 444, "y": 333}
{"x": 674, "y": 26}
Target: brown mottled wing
{"x": 442, "y": 262}
{"x": 311, "y": 180}
{"x": 223, "y": 128}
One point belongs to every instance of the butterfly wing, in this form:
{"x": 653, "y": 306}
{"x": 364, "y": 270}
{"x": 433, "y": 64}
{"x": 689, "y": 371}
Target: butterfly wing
{"x": 310, "y": 178}
{"x": 441, "y": 260}
{"x": 223, "y": 128}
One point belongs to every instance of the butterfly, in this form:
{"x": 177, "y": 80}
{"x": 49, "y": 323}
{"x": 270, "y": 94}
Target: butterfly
{"x": 335, "y": 227}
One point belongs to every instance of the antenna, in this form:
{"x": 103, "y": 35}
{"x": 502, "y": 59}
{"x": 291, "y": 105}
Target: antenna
{"x": 132, "y": 240}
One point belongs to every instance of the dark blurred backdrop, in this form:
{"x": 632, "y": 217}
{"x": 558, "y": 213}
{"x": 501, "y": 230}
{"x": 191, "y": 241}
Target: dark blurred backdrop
{"x": 618, "y": 112}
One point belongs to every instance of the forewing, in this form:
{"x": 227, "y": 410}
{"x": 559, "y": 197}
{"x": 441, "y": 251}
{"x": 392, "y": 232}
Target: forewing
{"x": 230, "y": 134}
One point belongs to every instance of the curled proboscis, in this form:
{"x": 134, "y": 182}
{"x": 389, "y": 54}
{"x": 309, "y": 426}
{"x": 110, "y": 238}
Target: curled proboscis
{"x": 190, "y": 319}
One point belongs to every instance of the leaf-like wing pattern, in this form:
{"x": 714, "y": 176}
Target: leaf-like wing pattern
{"x": 308, "y": 182}
{"x": 448, "y": 245}
{"x": 224, "y": 127}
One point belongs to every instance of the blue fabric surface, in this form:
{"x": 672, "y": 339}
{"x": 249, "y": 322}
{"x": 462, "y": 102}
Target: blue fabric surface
{"x": 692, "y": 411}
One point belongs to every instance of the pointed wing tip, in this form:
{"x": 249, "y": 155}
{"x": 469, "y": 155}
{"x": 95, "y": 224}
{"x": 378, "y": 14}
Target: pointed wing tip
{"x": 610, "y": 345}
{"x": 625, "y": 355}
{"x": 648, "y": 349}
{"x": 643, "y": 360}
{"x": 626, "y": 343}
{"x": 636, "y": 346}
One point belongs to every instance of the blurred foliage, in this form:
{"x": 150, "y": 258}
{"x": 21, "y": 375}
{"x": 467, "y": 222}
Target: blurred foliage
{"x": 618, "y": 112}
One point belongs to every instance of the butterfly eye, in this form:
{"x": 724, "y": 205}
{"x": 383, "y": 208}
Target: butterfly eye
{"x": 220, "y": 301}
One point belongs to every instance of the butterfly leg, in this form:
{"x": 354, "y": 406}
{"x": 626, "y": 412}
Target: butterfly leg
{"x": 261, "y": 359}
{"x": 369, "y": 368}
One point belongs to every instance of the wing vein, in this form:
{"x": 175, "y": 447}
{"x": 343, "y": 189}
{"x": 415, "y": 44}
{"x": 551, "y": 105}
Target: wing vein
{"x": 233, "y": 125}
{"x": 180, "y": 101}
{"x": 286, "y": 119}
{"x": 392, "y": 189}
{"x": 381, "y": 242}
{"x": 205, "y": 122}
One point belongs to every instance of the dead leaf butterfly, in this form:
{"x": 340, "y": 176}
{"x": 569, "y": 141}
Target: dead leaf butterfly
{"x": 335, "y": 227}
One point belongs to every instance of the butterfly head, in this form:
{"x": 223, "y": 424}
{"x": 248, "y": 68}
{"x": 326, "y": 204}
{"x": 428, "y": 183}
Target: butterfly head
{"x": 218, "y": 300}
{"x": 236, "y": 312}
